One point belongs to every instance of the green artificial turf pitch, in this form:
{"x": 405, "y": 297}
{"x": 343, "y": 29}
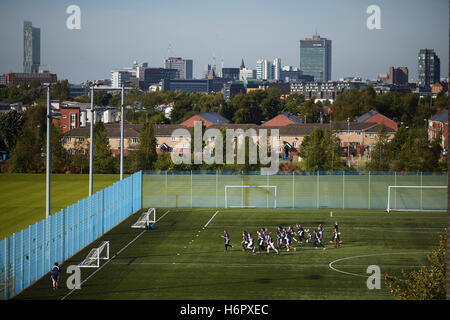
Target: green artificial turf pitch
{"x": 181, "y": 259}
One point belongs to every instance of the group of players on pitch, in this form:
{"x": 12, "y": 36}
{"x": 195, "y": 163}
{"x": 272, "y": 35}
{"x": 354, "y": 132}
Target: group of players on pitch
{"x": 284, "y": 238}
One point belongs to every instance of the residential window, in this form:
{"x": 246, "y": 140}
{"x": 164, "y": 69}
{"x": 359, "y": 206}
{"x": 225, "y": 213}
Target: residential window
{"x": 294, "y": 144}
{"x": 174, "y": 138}
{"x": 80, "y": 139}
{"x": 64, "y": 116}
{"x": 358, "y": 133}
{"x": 211, "y": 139}
{"x": 185, "y": 145}
{"x": 372, "y": 135}
{"x": 73, "y": 121}
{"x": 135, "y": 140}
{"x": 67, "y": 139}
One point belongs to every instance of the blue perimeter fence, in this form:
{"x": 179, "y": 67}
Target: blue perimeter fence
{"x": 30, "y": 253}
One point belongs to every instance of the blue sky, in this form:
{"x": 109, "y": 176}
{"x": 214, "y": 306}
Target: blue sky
{"x": 114, "y": 33}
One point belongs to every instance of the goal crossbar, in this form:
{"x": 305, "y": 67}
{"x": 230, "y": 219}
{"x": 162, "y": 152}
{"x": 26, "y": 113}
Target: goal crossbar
{"x": 389, "y": 207}
{"x": 95, "y": 255}
{"x": 148, "y": 217}
{"x": 251, "y": 186}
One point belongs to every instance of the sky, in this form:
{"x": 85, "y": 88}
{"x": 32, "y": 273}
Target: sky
{"x": 114, "y": 33}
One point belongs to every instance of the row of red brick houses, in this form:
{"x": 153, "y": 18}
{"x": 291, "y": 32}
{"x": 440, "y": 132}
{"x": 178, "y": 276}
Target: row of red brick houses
{"x": 360, "y": 135}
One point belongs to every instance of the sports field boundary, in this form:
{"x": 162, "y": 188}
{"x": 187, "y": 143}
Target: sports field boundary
{"x": 115, "y": 255}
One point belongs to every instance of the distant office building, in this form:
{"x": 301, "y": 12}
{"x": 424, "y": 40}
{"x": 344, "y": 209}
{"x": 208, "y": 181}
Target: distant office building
{"x": 429, "y": 68}
{"x": 315, "y": 58}
{"x": 31, "y": 48}
{"x": 140, "y": 69}
{"x": 383, "y": 78}
{"x": 398, "y": 76}
{"x": 230, "y": 89}
{"x": 289, "y": 73}
{"x": 193, "y": 85}
{"x": 13, "y": 78}
{"x": 155, "y": 75}
{"x": 183, "y": 67}
{"x": 247, "y": 74}
{"x": 268, "y": 70}
{"x": 230, "y": 73}
{"x": 277, "y": 69}
{"x": 120, "y": 77}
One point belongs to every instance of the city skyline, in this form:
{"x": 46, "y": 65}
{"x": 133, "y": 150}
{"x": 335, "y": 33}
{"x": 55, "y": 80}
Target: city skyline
{"x": 144, "y": 34}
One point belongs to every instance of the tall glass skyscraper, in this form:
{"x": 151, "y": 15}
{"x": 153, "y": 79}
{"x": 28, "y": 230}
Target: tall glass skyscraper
{"x": 31, "y": 48}
{"x": 429, "y": 68}
{"x": 315, "y": 57}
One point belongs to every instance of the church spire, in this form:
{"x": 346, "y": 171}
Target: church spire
{"x": 242, "y": 64}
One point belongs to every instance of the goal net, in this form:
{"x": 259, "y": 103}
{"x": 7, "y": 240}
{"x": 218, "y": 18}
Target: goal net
{"x": 417, "y": 198}
{"x": 95, "y": 255}
{"x": 250, "y": 196}
{"x": 146, "y": 219}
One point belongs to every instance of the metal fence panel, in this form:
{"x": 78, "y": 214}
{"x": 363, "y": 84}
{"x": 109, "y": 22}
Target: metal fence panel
{"x": 30, "y": 253}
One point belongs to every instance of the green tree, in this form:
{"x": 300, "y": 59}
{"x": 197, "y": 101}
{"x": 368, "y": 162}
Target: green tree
{"x": 103, "y": 159}
{"x": 146, "y": 156}
{"x": 380, "y": 155}
{"x": 320, "y": 151}
{"x": 27, "y": 152}
{"x": 427, "y": 283}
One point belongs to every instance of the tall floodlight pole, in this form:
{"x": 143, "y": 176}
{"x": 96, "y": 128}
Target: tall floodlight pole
{"x": 348, "y": 141}
{"x": 47, "y": 189}
{"x": 121, "y": 136}
{"x": 91, "y": 145}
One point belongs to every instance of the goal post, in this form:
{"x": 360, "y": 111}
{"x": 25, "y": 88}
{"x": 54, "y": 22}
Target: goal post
{"x": 250, "y": 196}
{"x": 417, "y": 198}
{"x": 95, "y": 255}
{"x": 148, "y": 217}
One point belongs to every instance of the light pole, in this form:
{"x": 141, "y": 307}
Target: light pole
{"x": 91, "y": 145}
{"x": 47, "y": 188}
{"x": 348, "y": 141}
{"x": 121, "y": 136}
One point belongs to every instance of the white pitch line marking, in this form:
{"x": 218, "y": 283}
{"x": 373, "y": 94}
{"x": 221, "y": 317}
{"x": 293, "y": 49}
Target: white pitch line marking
{"x": 363, "y": 256}
{"x": 113, "y": 257}
{"x": 211, "y": 219}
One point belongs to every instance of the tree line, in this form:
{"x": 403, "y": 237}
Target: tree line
{"x": 23, "y": 133}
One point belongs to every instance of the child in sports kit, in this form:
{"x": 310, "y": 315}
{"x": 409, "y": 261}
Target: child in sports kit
{"x": 226, "y": 236}
{"x": 270, "y": 244}
{"x": 336, "y": 239}
{"x": 292, "y": 233}
{"x": 250, "y": 244}
{"x": 300, "y": 232}
{"x": 318, "y": 240}
{"x": 55, "y": 275}
{"x": 260, "y": 241}
{"x": 287, "y": 238}
{"x": 244, "y": 240}
{"x": 279, "y": 238}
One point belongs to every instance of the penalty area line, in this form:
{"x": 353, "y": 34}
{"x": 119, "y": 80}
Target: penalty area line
{"x": 118, "y": 252}
{"x": 211, "y": 219}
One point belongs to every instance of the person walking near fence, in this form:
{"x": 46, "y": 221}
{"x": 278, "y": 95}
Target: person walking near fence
{"x": 55, "y": 275}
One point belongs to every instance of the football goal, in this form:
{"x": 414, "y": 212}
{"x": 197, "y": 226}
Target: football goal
{"x": 146, "y": 219}
{"x": 250, "y": 196}
{"x": 417, "y": 198}
{"x": 93, "y": 258}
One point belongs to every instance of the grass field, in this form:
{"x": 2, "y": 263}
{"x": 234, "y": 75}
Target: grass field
{"x": 182, "y": 259}
{"x": 22, "y": 196}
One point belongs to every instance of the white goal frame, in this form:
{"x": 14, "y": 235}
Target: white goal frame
{"x": 146, "y": 218}
{"x": 96, "y": 254}
{"x": 388, "y": 209}
{"x": 242, "y": 206}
